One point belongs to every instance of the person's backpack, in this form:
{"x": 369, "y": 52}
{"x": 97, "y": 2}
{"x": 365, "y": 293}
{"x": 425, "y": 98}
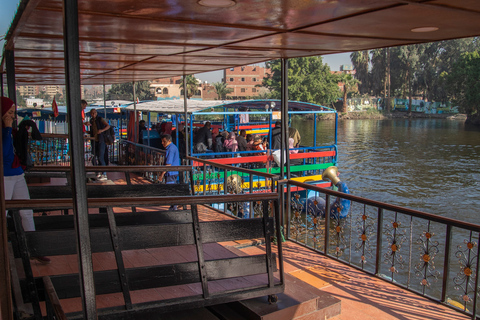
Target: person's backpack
{"x": 109, "y": 135}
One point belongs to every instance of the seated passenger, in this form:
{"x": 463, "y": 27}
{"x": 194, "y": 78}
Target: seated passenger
{"x": 231, "y": 144}
{"x": 291, "y": 146}
{"x": 258, "y": 145}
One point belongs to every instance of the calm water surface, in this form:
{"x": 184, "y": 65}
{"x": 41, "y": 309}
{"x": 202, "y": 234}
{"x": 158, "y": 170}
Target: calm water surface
{"x": 432, "y": 165}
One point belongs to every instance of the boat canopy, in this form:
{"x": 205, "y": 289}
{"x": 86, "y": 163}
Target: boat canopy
{"x": 131, "y": 40}
{"x": 199, "y": 106}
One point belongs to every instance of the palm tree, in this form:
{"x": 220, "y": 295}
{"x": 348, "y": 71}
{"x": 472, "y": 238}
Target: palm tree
{"x": 192, "y": 85}
{"x": 349, "y": 84}
{"x": 361, "y": 63}
{"x": 221, "y": 89}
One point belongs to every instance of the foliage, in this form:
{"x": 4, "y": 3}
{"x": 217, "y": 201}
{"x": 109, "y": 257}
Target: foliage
{"x": 361, "y": 62}
{"x": 221, "y": 89}
{"x": 192, "y": 85}
{"x": 309, "y": 80}
{"x": 350, "y": 84}
{"x": 463, "y": 82}
{"x": 125, "y": 91}
{"x": 412, "y": 71}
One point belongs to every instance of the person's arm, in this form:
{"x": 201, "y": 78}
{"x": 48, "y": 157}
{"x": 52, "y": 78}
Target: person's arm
{"x": 106, "y": 126}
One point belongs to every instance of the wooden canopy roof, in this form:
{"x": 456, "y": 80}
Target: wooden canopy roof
{"x": 127, "y": 40}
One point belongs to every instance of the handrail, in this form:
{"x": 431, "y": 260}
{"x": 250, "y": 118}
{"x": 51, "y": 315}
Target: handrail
{"x": 386, "y": 206}
{"x": 138, "y": 201}
{"x": 228, "y": 167}
{"x": 143, "y": 146}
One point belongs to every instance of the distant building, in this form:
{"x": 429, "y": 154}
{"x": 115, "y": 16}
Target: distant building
{"x": 244, "y": 81}
{"x": 169, "y": 88}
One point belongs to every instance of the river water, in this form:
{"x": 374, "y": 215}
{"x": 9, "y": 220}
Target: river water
{"x": 432, "y": 165}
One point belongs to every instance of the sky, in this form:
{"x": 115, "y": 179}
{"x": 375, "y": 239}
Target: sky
{"x": 9, "y": 7}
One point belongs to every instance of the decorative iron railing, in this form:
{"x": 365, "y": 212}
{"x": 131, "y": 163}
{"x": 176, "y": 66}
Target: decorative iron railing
{"x": 53, "y": 149}
{"x": 433, "y": 256}
{"x": 210, "y": 178}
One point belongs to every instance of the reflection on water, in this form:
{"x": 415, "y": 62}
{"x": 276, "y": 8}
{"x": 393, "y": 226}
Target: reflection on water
{"x": 430, "y": 165}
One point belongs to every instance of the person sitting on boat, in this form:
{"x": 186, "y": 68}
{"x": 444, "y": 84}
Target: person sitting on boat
{"x": 291, "y": 146}
{"x": 203, "y": 138}
{"x": 277, "y": 135}
{"x": 231, "y": 144}
{"x": 249, "y": 141}
{"x": 295, "y": 135}
{"x": 242, "y": 142}
{"x": 258, "y": 145}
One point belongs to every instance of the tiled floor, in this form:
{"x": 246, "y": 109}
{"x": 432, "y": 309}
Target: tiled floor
{"x": 363, "y": 296}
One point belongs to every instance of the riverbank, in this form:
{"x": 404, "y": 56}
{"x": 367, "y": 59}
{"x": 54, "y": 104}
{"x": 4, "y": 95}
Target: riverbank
{"x": 361, "y": 115}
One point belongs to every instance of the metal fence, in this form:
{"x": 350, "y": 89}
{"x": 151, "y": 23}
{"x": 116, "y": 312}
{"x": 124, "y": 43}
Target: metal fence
{"x": 433, "y": 256}
{"x": 210, "y": 178}
{"x": 53, "y": 149}
{"x": 130, "y": 153}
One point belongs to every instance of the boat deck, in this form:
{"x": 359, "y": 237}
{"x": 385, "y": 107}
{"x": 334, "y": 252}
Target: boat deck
{"x": 362, "y": 296}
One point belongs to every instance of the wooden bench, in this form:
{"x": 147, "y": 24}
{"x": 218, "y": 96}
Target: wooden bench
{"x": 118, "y": 232}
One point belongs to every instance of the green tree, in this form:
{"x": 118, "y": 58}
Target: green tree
{"x": 350, "y": 84}
{"x": 309, "y": 80}
{"x": 125, "y": 91}
{"x": 192, "y": 85}
{"x": 463, "y": 85}
{"x": 221, "y": 89}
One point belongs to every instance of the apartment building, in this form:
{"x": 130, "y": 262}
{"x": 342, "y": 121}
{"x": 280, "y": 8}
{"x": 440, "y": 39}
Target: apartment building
{"x": 244, "y": 81}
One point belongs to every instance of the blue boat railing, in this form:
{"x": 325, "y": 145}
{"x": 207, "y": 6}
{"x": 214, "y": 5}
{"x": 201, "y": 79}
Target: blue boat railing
{"x": 210, "y": 178}
{"x": 433, "y": 256}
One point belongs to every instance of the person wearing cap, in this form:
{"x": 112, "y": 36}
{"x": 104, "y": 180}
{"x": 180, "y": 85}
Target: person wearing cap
{"x": 15, "y": 185}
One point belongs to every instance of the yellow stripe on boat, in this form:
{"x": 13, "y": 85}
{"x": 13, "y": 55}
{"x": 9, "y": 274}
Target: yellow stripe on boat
{"x": 257, "y": 131}
{"x": 317, "y": 177}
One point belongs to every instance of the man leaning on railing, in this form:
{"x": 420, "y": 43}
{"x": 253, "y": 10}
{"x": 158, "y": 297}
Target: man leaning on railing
{"x": 172, "y": 158}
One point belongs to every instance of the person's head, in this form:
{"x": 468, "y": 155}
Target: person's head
{"x": 249, "y": 137}
{"x": 142, "y": 123}
{"x": 290, "y": 143}
{"x": 181, "y": 126}
{"x": 257, "y": 139}
{"x": 93, "y": 113}
{"x": 243, "y": 133}
{"x": 278, "y": 124}
{"x": 166, "y": 140}
{"x": 8, "y": 109}
{"x": 231, "y": 135}
{"x": 84, "y": 104}
{"x": 208, "y": 124}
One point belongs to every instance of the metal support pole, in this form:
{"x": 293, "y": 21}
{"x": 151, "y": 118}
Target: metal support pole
{"x": 77, "y": 164}
{"x": 135, "y": 130}
{"x": 186, "y": 116}
{"x": 1, "y": 85}
{"x": 285, "y": 155}
{"x": 104, "y": 102}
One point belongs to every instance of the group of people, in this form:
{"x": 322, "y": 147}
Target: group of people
{"x": 218, "y": 141}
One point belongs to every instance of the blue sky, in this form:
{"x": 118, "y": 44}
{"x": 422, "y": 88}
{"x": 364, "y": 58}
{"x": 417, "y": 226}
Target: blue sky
{"x": 9, "y": 7}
